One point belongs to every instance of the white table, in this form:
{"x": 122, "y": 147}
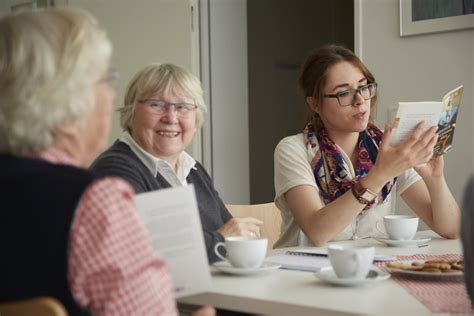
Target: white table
{"x": 285, "y": 292}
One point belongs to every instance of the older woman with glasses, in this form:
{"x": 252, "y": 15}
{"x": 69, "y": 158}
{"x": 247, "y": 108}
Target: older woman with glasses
{"x": 338, "y": 177}
{"x": 162, "y": 111}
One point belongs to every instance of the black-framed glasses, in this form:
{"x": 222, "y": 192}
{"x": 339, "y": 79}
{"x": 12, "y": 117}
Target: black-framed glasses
{"x": 347, "y": 97}
{"x": 160, "y": 107}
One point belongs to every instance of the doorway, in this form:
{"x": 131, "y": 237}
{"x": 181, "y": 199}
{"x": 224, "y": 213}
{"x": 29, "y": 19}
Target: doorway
{"x": 280, "y": 34}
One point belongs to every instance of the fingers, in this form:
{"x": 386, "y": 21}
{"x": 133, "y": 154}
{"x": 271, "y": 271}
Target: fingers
{"x": 241, "y": 226}
{"x": 424, "y": 147}
{"x": 249, "y": 220}
{"x": 415, "y": 135}
{"x": 252, "y": 225}
{"x": 205, "y": 311}
{"x": 253, "y": 230}
{"x": 418, "y": 147}
{"x": 386, "y": 138}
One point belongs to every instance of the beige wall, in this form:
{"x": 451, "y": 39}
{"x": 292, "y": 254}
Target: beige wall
{"x": 420, "y": 68}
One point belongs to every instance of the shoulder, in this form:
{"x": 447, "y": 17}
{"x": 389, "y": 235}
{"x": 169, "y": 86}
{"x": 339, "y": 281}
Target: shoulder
{"x": 106, "y": 196}
{"x": 293, "y": 142}
{"x": 118, "y": 151}
{"x": 118, "y": 158}
{"x": 109, "y": 188}
{"x": 291, "y": 149}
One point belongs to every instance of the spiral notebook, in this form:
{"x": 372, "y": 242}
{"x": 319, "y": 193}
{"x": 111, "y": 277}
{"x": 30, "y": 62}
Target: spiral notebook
{"x": 310, "y": 259}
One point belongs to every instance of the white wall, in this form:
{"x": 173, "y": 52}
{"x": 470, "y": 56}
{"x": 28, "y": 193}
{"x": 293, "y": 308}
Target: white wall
{"x": 420, "y": 68}
{"x": 229, "y": 99}
{"x": 145, "y": 31}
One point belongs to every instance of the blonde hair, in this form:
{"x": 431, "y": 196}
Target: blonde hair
{"x": 50, "y": 61}
{"x": 159, "y": 78}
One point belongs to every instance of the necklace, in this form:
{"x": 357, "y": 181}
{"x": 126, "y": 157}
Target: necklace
{"x": 356, "y": 224}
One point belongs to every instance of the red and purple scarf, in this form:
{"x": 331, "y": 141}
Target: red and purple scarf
{"x": 330, "y": 169}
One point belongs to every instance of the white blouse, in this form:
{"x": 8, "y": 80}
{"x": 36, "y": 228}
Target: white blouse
{"x": 292, "y": 168}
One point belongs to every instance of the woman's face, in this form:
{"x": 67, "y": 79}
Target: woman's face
{"x": 164, "y": 135}
{"x": 343, "y": 119}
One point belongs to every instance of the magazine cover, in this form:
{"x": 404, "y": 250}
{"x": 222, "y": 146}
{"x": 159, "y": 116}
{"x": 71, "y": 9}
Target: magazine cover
{"x": 447, "y": 121}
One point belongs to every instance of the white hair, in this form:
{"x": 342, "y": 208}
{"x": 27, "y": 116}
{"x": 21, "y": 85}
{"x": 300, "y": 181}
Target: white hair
{"x": 50, "y": 61}
{"x": 159, "y": 78}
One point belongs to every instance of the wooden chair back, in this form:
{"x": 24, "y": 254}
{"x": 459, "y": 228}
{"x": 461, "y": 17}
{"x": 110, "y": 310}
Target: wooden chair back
{"x": 267, "y": 212}
{"x": 38, "y": 306}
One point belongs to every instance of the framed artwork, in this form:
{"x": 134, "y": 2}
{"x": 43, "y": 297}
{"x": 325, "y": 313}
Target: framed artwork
{"x": 430, "y": 16}
{"x": 20, "y": 5}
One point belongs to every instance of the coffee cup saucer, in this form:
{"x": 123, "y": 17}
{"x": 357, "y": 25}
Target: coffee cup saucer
{"x": 375, "y": 275}
{"x": 402, "y": 243}
{"x": 226, "y": 267}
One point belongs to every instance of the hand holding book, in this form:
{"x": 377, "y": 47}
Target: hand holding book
{"x": 442, "y": 114}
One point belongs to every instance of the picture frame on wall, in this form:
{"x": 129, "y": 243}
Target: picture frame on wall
{"x": 431, "y": 16}
{"x": 20, "y": 5}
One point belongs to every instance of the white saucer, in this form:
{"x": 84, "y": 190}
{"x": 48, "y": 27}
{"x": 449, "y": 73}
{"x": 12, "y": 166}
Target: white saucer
{"x": 403, "y": 243}
{"x": 226, "y": 267}
{"x": 375, "y": 275}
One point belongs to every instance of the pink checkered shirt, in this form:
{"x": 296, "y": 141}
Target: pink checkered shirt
{"x": 112, "y": 268}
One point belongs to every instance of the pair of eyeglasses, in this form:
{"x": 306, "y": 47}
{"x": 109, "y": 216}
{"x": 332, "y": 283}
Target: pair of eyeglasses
{"x": 111, "y": 78}
{"x": 347, "y": 97}
{"x": 161, "y": 107}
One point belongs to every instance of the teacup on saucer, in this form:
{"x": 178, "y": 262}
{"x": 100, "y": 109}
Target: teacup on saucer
{"x": 375, "y": 275}
{"x": 403, "y": 243}
{"x": 399, "y": 227}
{"x": 226, "y": 267}
{"x": 243, "y": 251}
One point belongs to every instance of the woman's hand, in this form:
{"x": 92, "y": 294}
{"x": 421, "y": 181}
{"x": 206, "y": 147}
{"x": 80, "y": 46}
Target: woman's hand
{"x": 241, "y": 226}
{"x": 414, "y": 151}
{"x": 205, "y": 311}
{"x": 433, "y": 169}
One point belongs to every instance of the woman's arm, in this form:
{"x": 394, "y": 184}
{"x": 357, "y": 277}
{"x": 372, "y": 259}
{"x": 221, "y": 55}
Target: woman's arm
{"x": 432, "y": 200}
{"x": 321, "y": 223}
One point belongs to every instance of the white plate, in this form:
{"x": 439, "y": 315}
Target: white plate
{"x": 443, "y": 275}
{"x": 403, "y": 243}
{"x": 225, "y": 267}
{"x": 375, "y": 275}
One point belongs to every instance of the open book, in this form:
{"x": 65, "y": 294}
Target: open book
{"x": 310, "y": 259}
{"x": 172, "y": 219}
{"x": 442, "y": 114}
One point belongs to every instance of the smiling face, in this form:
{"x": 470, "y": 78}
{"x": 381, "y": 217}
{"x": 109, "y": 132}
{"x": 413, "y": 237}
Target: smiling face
{"x": 338, "y": 119}
{"x": 163, "y": 135}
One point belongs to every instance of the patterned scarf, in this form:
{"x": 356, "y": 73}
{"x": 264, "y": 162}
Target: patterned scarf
{"x": 331, "y": 170}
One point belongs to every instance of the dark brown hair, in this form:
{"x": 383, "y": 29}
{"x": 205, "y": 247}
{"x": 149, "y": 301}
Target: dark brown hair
{"x": 314, "y": 72}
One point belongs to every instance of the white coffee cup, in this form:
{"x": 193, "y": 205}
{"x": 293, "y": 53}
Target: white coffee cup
{"x": 243, "y": 251}
{"x": 350, "y": 261}
{"x": 400, "y": 227}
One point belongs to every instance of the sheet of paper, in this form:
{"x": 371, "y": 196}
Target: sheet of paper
{"x": 324, "y": 252}
{"x": 172, "y": 219}
{"x": 410, "y": 114}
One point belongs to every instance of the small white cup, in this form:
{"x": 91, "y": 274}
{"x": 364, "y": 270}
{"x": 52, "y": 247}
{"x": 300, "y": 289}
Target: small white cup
{"x": 400, "y": 227}
{"x": 351, "y": 262}
{"x": 243, "y": 251}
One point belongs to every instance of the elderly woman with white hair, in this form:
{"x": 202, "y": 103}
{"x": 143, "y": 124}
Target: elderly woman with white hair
{"x": 65, "y": 232}
{"x": 163, "y": 109}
